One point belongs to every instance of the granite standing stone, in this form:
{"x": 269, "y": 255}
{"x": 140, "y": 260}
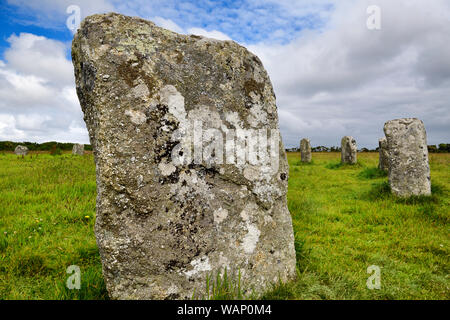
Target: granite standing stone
{"x": 384, "y": 154}
{"x": 165, "y": 223}
{"x": 305, "y": 150}
{"x": 21, "y": 151}
{"x": 409, "y": 170}
{"x": 348, "y": 150}
{"x": 78, "y": 149}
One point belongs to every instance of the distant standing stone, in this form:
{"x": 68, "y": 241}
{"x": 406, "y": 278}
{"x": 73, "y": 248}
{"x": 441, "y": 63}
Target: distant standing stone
{"x": 78, "y": 149}
{"x": 409, "y": 170}
{"x": 21, "y": 151}
{"x": 305, "y": 150}
{"x": 384, "y": 154}
{"x": 165, "y": 222}
{"x": 348, "y": 150}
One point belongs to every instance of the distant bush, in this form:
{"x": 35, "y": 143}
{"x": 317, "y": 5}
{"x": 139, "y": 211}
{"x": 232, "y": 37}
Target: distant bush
{"x": 54, "y": 151}
{"x": 443, "y": 148}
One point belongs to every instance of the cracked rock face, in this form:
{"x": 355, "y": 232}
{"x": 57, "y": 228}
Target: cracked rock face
{"x": 348, "y": 150}
{"x": 21, "y": 151}
{"x": 409, "y": 170}
{"x": 78, "y": 149}
{"x": 383, "y": 163}
{"x": 168, "y": 213}
{"x": 305, "y": 150}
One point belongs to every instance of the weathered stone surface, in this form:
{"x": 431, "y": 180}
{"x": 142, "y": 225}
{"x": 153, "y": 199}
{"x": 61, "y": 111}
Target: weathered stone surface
{"x": 164, "y": 225}
{"x": 383, "y": 163}
{"x": 78, "y": 149}
{"x": 305, "y": 150}
{"x": 21, "y": 150}
{"x": 409, "y": 170}
{"x": 348, "y": 150}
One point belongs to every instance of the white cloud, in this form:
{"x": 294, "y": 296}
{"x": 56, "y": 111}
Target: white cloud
{"x": 40, "y": 57}
{"x": 167, "y": 24}
{"x": 8, "y": 130}
{"x": 170, "y": 25}
{"x": 347, "y": 80}
{"x": 38, "y": 101}
{"x": 209, "y": 34}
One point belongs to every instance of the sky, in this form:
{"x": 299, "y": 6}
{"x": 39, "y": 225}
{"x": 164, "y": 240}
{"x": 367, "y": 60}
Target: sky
{"x": 333, "y": 76}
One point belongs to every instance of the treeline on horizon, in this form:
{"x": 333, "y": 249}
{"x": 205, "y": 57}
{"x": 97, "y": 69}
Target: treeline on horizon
{"x": 441, "y": 148}
{"x": 46, "y": 146}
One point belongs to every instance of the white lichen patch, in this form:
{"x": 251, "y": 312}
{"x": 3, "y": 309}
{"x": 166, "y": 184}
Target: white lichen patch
{"x": 220, "y": 215}
{"x": 257, "y": 117}
{"x": 224, "y": 263}
{"x": 234, "y": 119}
{"x": 252, "y": 237}
{"x": 170, "y": 97}
{"x": 173, "y": 289}
{"x": 210, "y": 119}
{"x": 251, "y": 173}
{"x": 166, "y": 169}
{"x": 199, "y": 265}
{"x": 140, "y": 91}
{"x": 191, "y": 184}
{"x": 244, "y": 215}
{"x": 136, "y": 117}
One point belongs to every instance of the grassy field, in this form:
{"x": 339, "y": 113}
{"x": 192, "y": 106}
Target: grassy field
{"x": 344, "y": 220}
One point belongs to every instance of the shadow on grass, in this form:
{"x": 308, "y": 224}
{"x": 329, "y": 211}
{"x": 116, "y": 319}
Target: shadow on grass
{"x": 339, "y": 165}
{"x": 281, "y": 291}
{"x": 372, "y": 173}
{"x": 432, "y": 212}
{"x": 301, "y": 207}
{"x": 300, "y": 163}
{"x": 382, "y": 191}
{"x": 32, "y": 265}
{"x": 427, "y": 207}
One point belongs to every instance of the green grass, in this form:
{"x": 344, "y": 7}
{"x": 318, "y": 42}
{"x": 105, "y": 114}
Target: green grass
{"x": 222, "y": 286}
{"x": 345, "y": 219}
{"x": 372, "y": 173}
{"x": 47, "y": 214}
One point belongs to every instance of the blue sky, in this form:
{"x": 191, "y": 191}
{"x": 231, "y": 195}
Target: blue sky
{"x": 244, "y": 21}
{"x": 15, "y": 22}
{"x": 332, "y": 76}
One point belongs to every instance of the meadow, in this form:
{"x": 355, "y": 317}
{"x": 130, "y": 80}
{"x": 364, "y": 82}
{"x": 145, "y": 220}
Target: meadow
{"x": 344, "y": 218}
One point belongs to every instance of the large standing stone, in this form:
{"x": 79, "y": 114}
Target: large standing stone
{"x": 165, "y": 221}
{"x": 383, "y": 163}
{"x": 305, "y": 150}
{"x": 21, "y": 150}
{"x": 409, "y": 170}
{"x": 78, "y": 149}
{"x": 348, "y": 150}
